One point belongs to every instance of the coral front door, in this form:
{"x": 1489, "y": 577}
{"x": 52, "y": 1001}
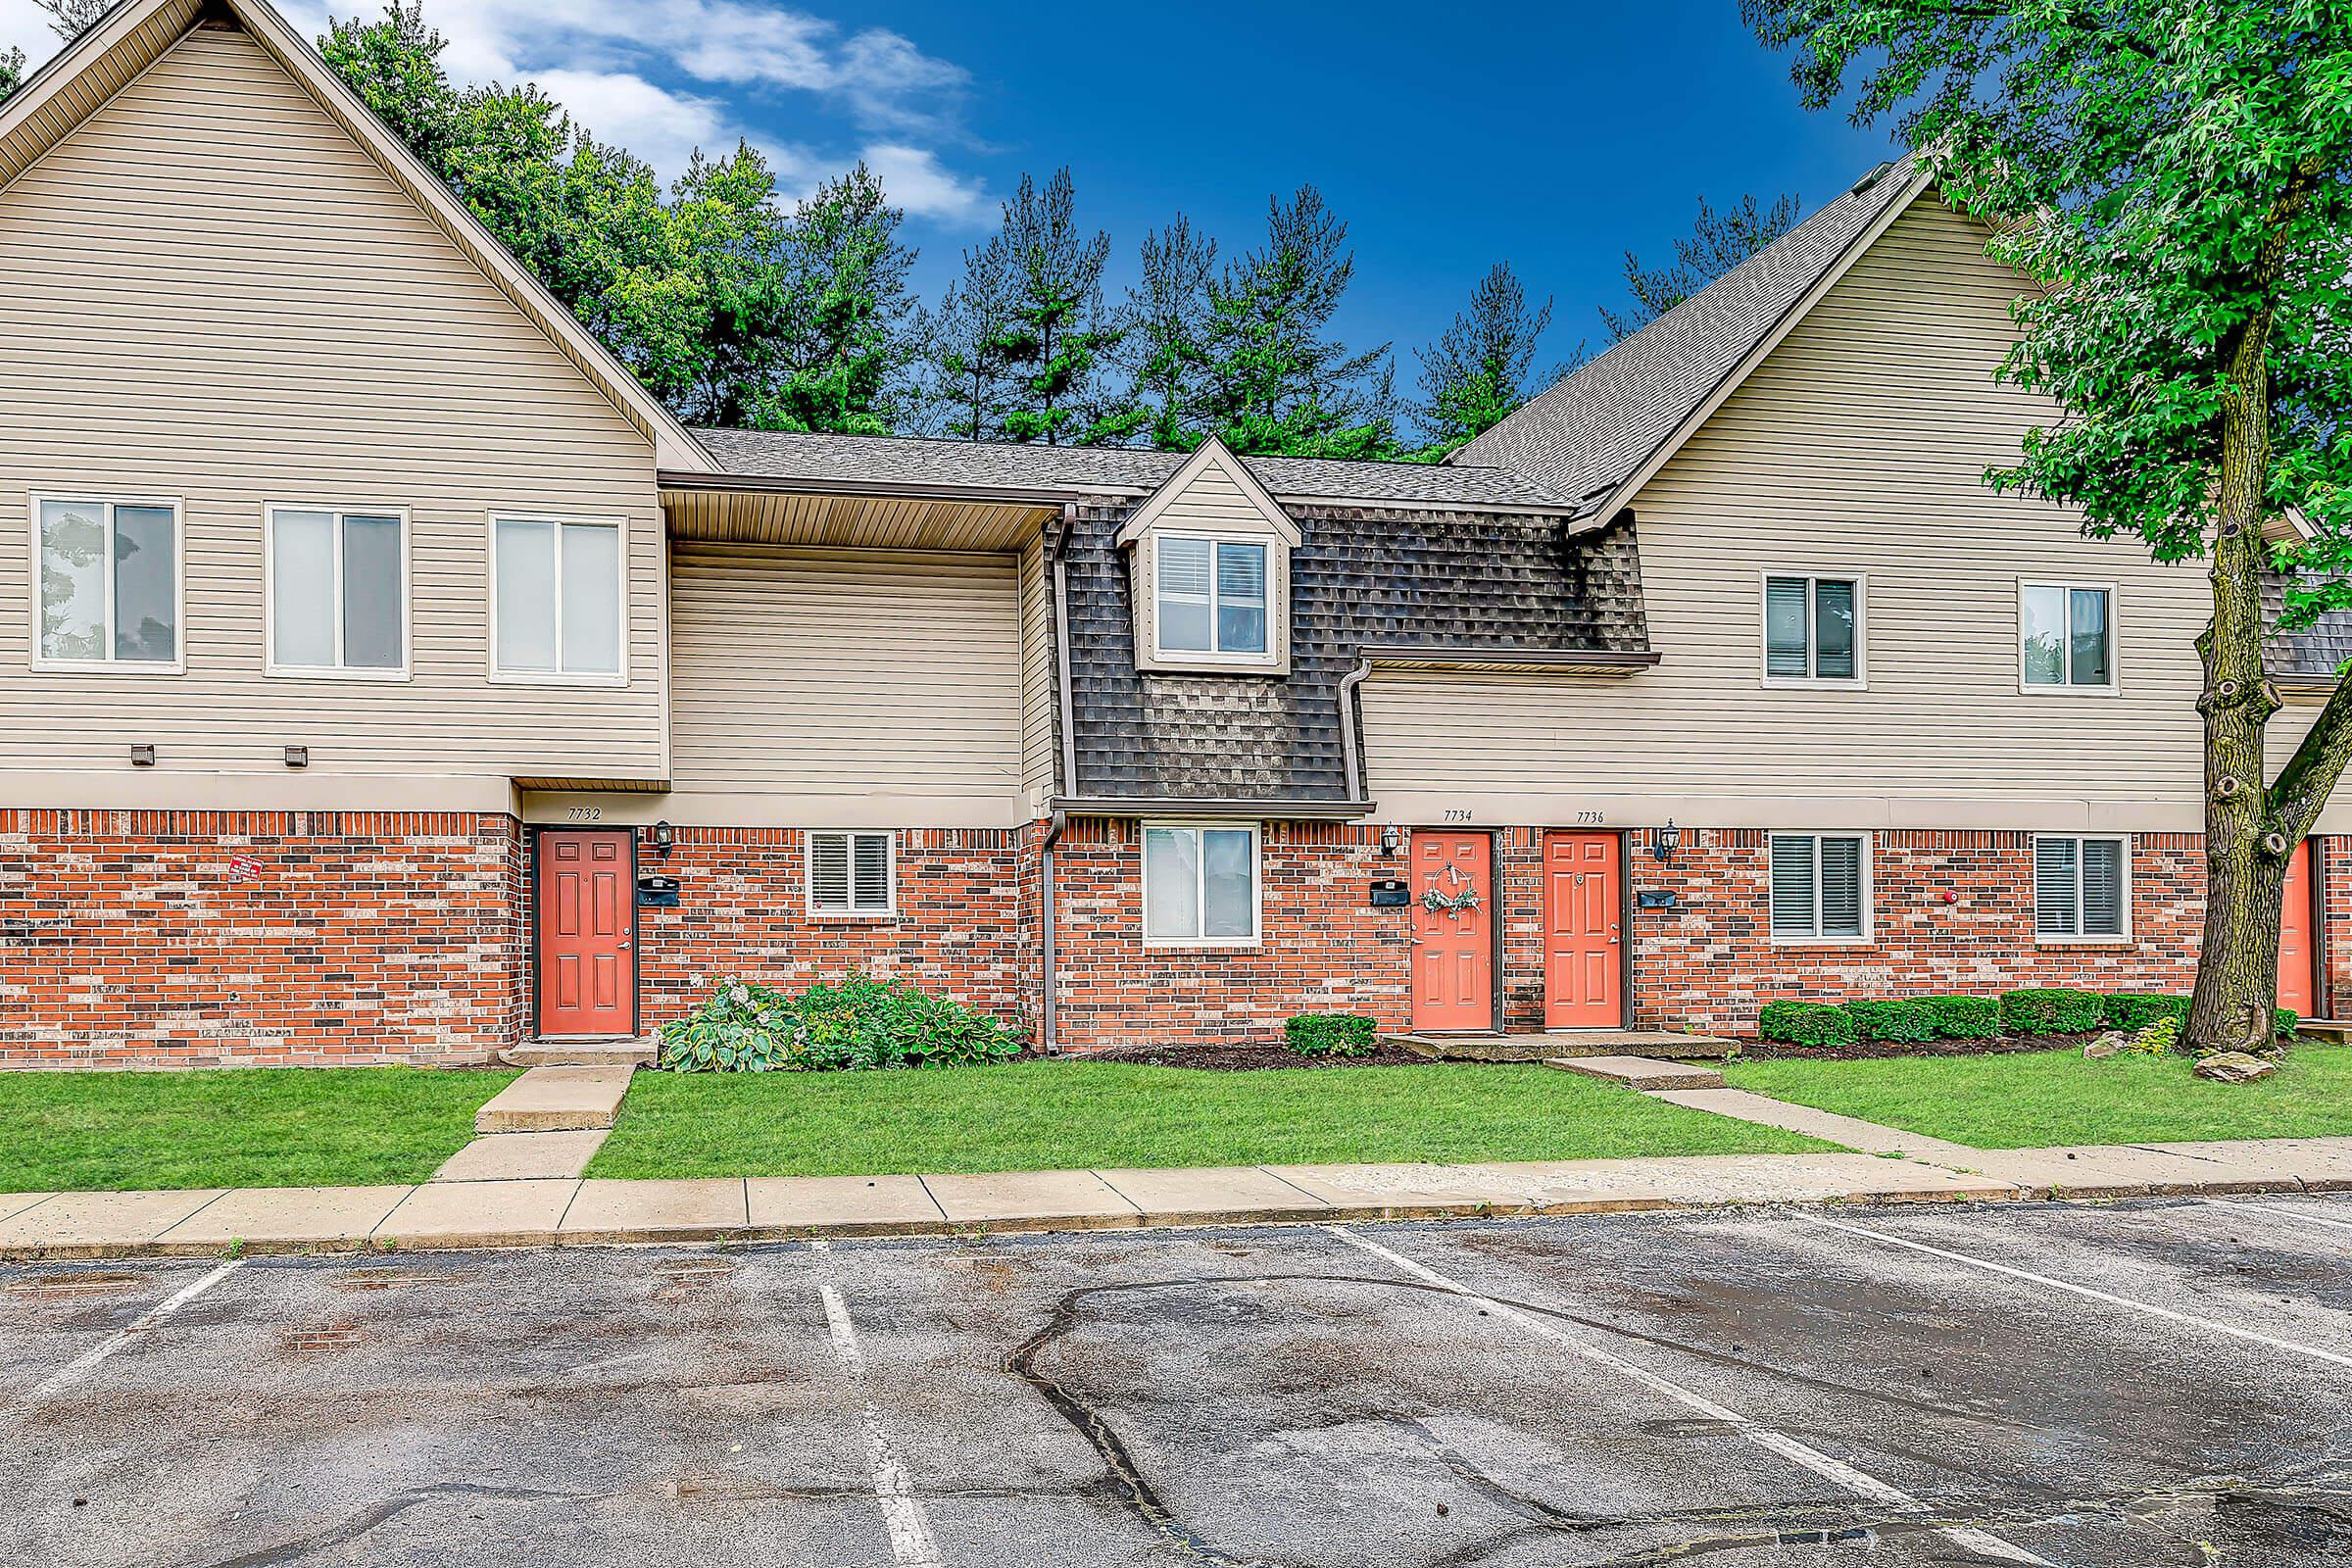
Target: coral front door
{"x": 587, "y": 903}
{"x": 1453, "y": 931}
{"x": 2295, "y": 967}
{"x": 1584, "y": 952}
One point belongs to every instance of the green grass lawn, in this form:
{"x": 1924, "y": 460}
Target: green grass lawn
{"x": 2055, "y": 1097}
{"x": 1052, "y": 1115}
{"x": 238, "y": 1127}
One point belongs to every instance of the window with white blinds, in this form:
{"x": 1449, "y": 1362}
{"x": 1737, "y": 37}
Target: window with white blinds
{"x": 1211, "y": 596}
{"x": 1820, "y": 887}
{"x": 1812, "y": 628}
{"x": 852, "y": 874}
{"x": 2082, "y": 887}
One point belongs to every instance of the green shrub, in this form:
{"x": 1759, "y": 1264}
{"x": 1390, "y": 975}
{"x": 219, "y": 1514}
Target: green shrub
{"x": 2137, "y": 1009}
{"x": 2158, "y": 1038}
{"x": 1806, "y": 1023}
{"x": 1964, "y": 1017}
{"x": 1330, "y": 1034}
{"x": 843, "y": 1025}
{"x": 1901, "y": 1023}
{"x": 2051, "y": 1011}
{"x": 2283, "y": 1022}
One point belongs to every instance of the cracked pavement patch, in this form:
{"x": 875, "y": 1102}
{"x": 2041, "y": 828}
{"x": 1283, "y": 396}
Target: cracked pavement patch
{"x": 1241, "y": 1397}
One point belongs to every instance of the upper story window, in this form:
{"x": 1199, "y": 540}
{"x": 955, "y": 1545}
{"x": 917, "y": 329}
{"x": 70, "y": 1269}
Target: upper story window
{"x": 852, "y": 874}
{"x": 1820, "y": 887}
{"x": 1812, "y": 629}
{"x": 1200, "y": 886}
{"x": 557, "y": 604}
{"x": 338, "y": 592}
{"x": 107, "y": 583}
{"x": 2066, "y": 635}
{"x": 1211, "y": 595}
{"x": 2081, "y": 888}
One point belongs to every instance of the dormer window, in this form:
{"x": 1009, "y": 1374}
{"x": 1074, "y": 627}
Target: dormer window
{"x": 1211, "y": 572}
{"x": 1213, "y": 595}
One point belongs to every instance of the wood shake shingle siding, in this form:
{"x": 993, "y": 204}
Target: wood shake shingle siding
{"x": 215, "y": 293}
{"x": 1856, "y": 447}
{"x": 848, "y": 689}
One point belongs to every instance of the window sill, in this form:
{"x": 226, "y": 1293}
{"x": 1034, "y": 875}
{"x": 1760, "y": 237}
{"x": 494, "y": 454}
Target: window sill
{"x": 852, "y": 916}
{"x": 1824, "y": 942}
{"x": 2125, "y": 941}
{"x": 381, "y": 677}
{"x": 507, "y": 677}
{"x": 1795, "y": 683}
{"x": 1202, "y": 944}
{"x": 109, "y": 667}
{"x": 2028, "y": 690}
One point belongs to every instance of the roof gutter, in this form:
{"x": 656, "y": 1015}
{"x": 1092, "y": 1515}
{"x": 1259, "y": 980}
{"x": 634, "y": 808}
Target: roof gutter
{"x": 881, "y": 489}
{"x": 1220, "y": 807}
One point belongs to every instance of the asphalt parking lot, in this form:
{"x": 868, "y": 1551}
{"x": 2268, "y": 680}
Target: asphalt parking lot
{"x": 2160, "y": 1382}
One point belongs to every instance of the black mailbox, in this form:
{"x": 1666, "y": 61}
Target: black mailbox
{"x": 1655, "y": 898}
{"x": 1389, "y": 893}
{"x": 657, "y": 893}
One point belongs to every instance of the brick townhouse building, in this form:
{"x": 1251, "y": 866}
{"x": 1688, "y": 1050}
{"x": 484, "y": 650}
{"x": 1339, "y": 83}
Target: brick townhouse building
{"x": 387, "y": 676}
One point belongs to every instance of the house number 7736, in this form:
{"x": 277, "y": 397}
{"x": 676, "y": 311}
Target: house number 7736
{"x": 1591, "y": 817}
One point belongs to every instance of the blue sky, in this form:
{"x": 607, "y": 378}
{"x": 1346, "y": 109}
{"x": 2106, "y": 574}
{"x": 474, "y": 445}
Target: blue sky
{"x": 1555, "y": 136}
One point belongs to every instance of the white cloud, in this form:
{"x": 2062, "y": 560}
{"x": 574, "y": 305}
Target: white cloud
{"x": 601, "y": 59}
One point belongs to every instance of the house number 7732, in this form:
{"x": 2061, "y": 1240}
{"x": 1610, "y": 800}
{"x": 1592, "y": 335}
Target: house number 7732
{"x": 586, "y": 813}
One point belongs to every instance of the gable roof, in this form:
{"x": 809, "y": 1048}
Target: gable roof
{"x": 1599, "y": 431}
{"x": 136, "y": 33}
{"x": 1211, "y": 454}
{"x": 983, "y": 468}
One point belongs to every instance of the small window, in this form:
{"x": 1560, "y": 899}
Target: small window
{"x": 338, "y": 592}
{"x": 1201, "y": 885}
{"x": 1812, "y": 628}
{"x": 1211, "y": 596}
{"x": 2081, "y": 888}
{"x": 2067, "y": 635}
{"x": 1820, "y": 887}
{"x": 108, "y": 588}
{"x": 852, "y": 874}
{"x": 558, "y": 598}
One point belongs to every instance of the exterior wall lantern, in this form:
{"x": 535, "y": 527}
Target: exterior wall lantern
{"x": 1390, "y": 840}
{"x": 665, "y": 839}
{"x": 1664, "y": 841}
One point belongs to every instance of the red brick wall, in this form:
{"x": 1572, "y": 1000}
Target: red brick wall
{"x": 962, "y": 926}
{"x": 1951, "y": 911}
{"x": 362, "y": 937}
{"x": 1322, "y": 950}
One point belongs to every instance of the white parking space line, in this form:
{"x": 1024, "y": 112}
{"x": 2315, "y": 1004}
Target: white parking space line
{"x": 2285, "y": 1212}
{"x": 156, "y": 1314}
{"x": 2150, "y": 1308}
{"x": 1835, "y": 1471}
{"x": 910, "y": 1542}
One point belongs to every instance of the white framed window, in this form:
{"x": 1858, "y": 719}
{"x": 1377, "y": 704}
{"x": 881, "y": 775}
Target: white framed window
{"x": 338, "y": 592}
{"x": 2066, "y": 637}
{"x": 558, "y": 600}
{"x": 107, "y": 583}
{"x": 1813, "y": 629}
{"x": 852, "y": 874}
{"x": 1820, "y": 887}
{"x": 1201, "y": 884}
{"x": 1209, "y": 597}
{"x": 2081, "y": 888}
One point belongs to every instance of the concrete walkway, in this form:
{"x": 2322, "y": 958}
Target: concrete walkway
{"x": 538, "y": 1210}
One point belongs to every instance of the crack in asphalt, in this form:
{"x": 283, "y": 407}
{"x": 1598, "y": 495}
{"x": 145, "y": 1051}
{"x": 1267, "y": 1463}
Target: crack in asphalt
{"x": 392, "y": 1507}
{"x": 1813, "y": 1522}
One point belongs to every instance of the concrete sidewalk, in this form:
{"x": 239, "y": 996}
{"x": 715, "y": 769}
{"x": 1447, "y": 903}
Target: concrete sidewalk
{"x": 571, "y": 1211}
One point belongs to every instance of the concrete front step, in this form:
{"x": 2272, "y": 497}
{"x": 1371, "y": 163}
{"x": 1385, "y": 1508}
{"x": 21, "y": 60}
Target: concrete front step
{"x": 556, "y": 1099}
{"x": 1640, "y": 1072}
{"x": 1556, "y": 1045}
{"x": 581, "y": 1053}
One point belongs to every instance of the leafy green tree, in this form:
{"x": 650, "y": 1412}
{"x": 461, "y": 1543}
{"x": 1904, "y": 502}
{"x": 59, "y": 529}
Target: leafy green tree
{"x": 1274, "y": 379}
{"x": 1481, "y": 368}
{"x": 2174, "y": 179}
{"x": 1168, "y": 319}
{"x": 1055, "y": 331}
{"x": 12, "y": 72}
{"x": 844, "y": 339}
{"x": 1718, "y": 242}
{"x": 704, "y": 325}
{"x": 394, "y": 65}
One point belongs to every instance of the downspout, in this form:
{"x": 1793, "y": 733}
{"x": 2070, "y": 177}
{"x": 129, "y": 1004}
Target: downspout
{"x": 1049, "y": 1034}
{"x": 1352, "y": 740}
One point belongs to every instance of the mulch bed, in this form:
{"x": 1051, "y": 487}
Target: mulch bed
{"x": 1249, "y": 1058}
{"x": 1865, "y": 1049}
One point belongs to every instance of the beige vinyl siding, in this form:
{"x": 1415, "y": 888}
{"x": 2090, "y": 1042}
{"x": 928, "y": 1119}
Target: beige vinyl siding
{"x": 1040, "y": 677}
{"x": 1856, "y": 447}
{"x": 847, "y": 681}
{"x": 215, "y": 293}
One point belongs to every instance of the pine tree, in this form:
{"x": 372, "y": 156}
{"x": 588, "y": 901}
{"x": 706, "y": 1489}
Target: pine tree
{"x": 1478, "y": 371}
{"x": 1718, "y": 242}
{"x": 963, "y": 370}
{"x": 1168, "y": 323}
{"x": 844, "y": 342}
{"x": 1056, "y": 329}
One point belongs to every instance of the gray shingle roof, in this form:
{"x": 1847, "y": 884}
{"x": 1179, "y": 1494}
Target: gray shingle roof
{"x": 1588, "y": 433}
{"x": 994, "y": 465}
